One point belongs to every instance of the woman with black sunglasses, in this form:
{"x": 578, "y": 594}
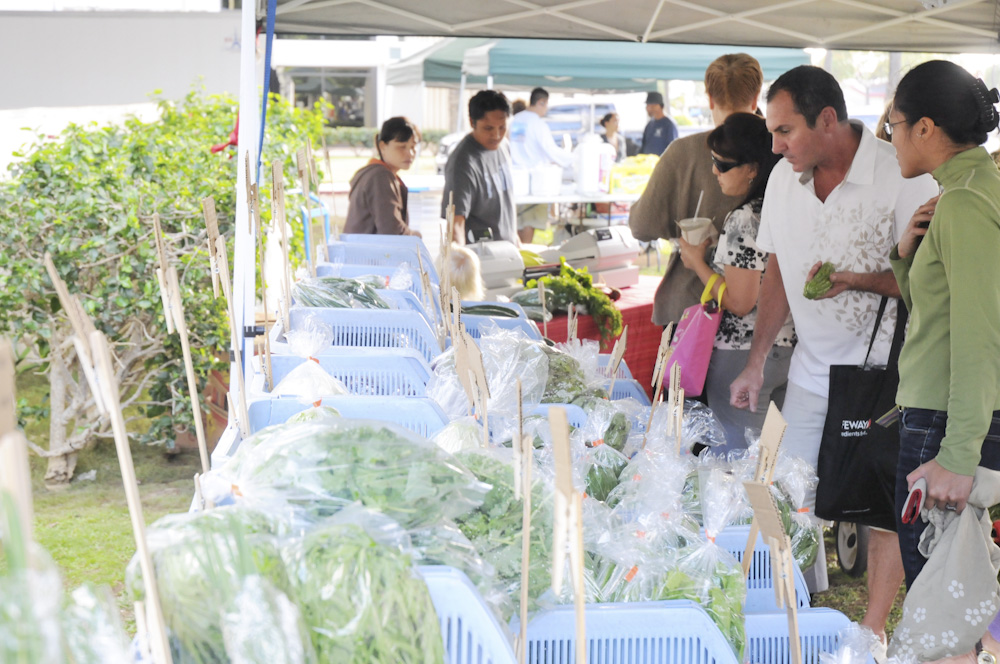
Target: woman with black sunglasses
{"x": 742, "y": 162}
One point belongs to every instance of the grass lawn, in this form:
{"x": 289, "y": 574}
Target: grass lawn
{"x": 86, "y": 528}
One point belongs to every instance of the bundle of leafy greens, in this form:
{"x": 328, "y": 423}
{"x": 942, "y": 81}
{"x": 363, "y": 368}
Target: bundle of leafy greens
{"x": 321, "y": 467}
{"x": 577, "y": 287}
{"x": 567, "y": 382}
{"x": 495, "y": 528}
{"x": 338, "y": 293}
{"x": 202, "y": 561}
{"x": 30, "y": 593}
{"x": 361, "y": 601}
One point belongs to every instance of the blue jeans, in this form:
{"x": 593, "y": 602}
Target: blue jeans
{"x": 920, "y": 434}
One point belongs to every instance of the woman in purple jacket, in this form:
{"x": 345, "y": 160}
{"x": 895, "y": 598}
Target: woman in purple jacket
{"x": 378, "y": 195}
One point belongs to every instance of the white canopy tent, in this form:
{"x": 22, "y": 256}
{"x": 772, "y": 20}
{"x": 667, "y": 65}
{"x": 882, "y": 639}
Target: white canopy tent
{"x": 889, "y": 25}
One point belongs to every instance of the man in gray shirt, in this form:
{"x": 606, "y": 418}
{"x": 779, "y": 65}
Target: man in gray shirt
{"x": 478, "y": 174}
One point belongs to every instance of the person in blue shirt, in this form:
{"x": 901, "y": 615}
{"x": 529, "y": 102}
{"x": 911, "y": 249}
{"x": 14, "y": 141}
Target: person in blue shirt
{"x": 660, "y": 130}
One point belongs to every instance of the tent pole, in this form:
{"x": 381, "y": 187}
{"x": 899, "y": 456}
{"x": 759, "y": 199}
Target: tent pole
{"x": 458, "y": 110}
{"x": 244, "y": 260}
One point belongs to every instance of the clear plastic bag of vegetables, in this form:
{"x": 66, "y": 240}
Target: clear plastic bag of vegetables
{"x": 608, "y": 422}
{"x": 602, "y": 467}
{"x": 796, "y": 477}
{"x": 585, "y": 352}
{"x": 495, "y": 528}
{"x": 320, "y": 468}
{"x": 309, "y": 380}
{"x": 30, "y": 596}
{"x": 338, "y": 293}
{"x": 263, "y": 626}
{"x": 508, "y": 355}
{"x": 201, "y": 560}
{"x": 567, "y": 382}
{"x": 855, "y": 645}
{"x": 362, "y": 601}
{"x": 715, "y": 578}
{"x": 531, "y": 301}
{"x": 460, "y": 435}
{"x": 92, "y": 628}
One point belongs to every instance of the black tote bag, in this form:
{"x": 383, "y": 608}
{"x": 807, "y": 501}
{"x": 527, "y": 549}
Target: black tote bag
{"x": 857, "y": 455}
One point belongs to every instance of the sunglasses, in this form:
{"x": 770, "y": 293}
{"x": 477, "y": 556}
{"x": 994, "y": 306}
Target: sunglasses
{"x": 725, "y": 166}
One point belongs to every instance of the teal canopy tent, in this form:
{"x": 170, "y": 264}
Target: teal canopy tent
{"x": 580, "y": 65}
{"x": 597, "y": 65}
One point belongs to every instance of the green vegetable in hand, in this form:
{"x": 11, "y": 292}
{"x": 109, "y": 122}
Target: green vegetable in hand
{"x": 820, "y": 283}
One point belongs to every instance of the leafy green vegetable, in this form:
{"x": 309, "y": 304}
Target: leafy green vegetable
{"x": 566, "y": 381}
{"x": 495, "y": 310}
{"x": 361, "y": 600}
{"x": 606, "y": 465}
{"x": 820, "y": 283}
{"x": 495, "y": 528}
{"x": 201, "y": 560}
{"x": 577, "y": 286}
{"x": 336, "y": 292}
{"x": 321, "y": 467}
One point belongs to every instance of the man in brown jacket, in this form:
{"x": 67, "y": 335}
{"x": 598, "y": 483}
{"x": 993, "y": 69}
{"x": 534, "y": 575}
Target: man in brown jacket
{"x": 733, "y": 85}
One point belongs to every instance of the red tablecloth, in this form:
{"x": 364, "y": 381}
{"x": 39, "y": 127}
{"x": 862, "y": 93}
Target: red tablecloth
{"x": 636, "y": 305}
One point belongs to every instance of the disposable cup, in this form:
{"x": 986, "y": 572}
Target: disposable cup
{"x": 696, "y": 230}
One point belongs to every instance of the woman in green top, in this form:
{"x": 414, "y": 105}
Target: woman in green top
{"x": 947, "y": 264}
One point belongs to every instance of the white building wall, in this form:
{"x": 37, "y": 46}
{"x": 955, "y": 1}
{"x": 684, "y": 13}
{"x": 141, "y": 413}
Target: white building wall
{"x": 67, "y": 59}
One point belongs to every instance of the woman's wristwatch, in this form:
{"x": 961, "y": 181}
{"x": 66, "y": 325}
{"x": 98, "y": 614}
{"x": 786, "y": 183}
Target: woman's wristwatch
{"x": 984, "y": 656}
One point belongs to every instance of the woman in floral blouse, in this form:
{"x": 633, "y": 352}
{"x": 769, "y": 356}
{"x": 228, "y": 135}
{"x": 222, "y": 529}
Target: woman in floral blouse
{"x": 742, "y": 162}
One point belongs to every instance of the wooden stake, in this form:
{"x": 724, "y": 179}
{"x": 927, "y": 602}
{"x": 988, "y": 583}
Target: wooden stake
{"x": 305, "y": 178}
{"x": 449, "y": 226}
{"x": 571, "y": 323}
{"x": 662, "y": 357}
{"x": 15, "y": 474}
{"x": 161, "y": 253}
{"x": 617, "y": 353}
{"x": 567, "y": 536}
{"x": 524, "y": 473}
{"x": 771, "y": 436}
{"x": 177, "y": 309}
{"x": 242, "y": 418}
{"x": 109, "y": 386}
{"x": 278, "y": 217}
{"x": 252, "y": 207}
{"x": 268, "y": 371}
{"x": 782, "y": 563}
{"x": 545, "y": 309}
{"x": 8, "y": 404}
{"x": 212, "y": 224}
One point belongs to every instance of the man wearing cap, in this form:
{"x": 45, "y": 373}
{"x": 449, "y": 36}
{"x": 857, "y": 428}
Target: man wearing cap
{"x": 660, "y": 129}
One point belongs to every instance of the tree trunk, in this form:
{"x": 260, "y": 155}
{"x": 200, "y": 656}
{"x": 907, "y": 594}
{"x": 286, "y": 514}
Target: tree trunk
{"x": 60, "y": 468}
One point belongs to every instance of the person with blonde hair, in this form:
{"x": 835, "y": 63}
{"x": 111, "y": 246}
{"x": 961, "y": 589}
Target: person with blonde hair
{"x": 684, "y": 172}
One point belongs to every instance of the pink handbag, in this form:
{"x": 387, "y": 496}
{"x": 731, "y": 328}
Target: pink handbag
{"x": 694, "y": 340}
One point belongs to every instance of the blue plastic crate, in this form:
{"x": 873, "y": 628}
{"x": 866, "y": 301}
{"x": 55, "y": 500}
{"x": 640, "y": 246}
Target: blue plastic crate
{"x": 418, "y": 414}
{"x": 671, "y": 632}
{"x": 386, "y": 272}
{"x": 574, "y": 415}
{"x": 359, "y": 253}
{"x": 365, "y": 328}
{"x": 392, "y": 241}
{"x": 760, "y": 582}
{"x": 471, "y": 633}
{"x": 627, "y": 388}
{"x": 767, "y": 635}
{"x": 473, "y": 325}
{"x": 602, "y": 367}
{"x": 383, "y": 372}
